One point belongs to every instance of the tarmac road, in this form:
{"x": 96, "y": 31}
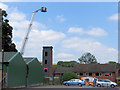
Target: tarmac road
{"x": 62, "y": 87}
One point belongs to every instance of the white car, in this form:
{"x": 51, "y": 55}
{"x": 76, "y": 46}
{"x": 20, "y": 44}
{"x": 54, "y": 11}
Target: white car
{"x": 105, "y": 83}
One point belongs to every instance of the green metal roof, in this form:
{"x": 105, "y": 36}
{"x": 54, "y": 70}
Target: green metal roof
{"x": 28, "y": 59}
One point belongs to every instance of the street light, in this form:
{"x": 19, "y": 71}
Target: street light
{"x": 43, "y": 9}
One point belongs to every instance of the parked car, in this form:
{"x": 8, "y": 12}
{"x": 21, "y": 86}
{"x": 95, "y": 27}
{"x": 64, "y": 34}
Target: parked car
{"x": 88, "y": 80}
{"x": 74, "y": 82}
{"x": 105, "y": 82}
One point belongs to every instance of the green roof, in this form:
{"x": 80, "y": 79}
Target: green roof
{"x": 28, "y": 59}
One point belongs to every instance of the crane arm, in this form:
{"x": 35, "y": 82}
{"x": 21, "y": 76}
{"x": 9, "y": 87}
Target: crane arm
{"x": 26, "y": 37}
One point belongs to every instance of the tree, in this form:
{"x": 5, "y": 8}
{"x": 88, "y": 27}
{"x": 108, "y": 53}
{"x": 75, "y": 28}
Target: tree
{"x": 67, "y": 64}
{"x": 7, "y": 44}
{"x": 111, "y": 62}
{"x": 69, "y": 75}
{"x": 87, "y": 58}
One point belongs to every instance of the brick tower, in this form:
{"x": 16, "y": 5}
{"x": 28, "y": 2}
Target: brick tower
{"x": 47, "y": 60}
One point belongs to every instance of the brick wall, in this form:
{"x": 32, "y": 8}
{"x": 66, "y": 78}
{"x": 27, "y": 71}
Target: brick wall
{"x": 118, "y": 72}
{"x": 112, "y": 78}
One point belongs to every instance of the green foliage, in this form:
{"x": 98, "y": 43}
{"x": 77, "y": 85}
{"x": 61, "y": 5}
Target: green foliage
{"x": 66, "y": 64}
{"x": 56, "y": 66}
{"x": 7, "y": 44}
{"x": 69, "y": 75}
{"x": 112, "y": 62}
{"x": 87, "y": 58}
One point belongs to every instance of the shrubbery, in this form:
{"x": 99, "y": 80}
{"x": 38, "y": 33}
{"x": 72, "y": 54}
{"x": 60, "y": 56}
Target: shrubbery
{"x": 69, "y": 75}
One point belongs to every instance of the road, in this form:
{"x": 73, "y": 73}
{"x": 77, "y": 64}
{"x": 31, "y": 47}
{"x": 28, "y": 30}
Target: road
{"x": 62, "y": 87}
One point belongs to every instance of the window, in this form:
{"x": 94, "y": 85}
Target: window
{"x": 46, "y": 53}
{"x": 88, "y": 74}
{"x": 45, "y": 61}
{"x": 108, "y": 74}
{"x": 107, "y": 80}
{"x": 119, "y": 71}
{"x": 100, "y": 80}
{"x": 79, "y": 74}
{"x": 98, "y": 74}
{"x": 45, "y": 69}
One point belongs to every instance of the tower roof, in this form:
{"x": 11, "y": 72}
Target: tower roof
{"x": 47, "y": 47}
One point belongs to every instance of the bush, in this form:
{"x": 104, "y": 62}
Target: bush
{"x": 69, "y": 75}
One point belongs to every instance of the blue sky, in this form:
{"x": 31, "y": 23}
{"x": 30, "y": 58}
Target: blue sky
{"x": 71, "y": 28}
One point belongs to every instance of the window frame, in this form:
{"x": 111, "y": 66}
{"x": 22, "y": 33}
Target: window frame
{"x": 45, "y": 61}
{"x": 100, "y": 74}
{"x": 109, "y": 75}
{"x": 88, "y": 74}
{"x": 45, "y": 53}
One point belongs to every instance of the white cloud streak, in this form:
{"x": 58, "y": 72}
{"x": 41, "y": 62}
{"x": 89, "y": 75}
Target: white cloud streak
{"x": 114, "y": 17}
{"x": 93, "y": 31}
{"x": 60, "y": 18}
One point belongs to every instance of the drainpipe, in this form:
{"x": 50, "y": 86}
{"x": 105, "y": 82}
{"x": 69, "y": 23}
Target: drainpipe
{"x": 27, "y": 76}
{"x": 6, "y": 79}
{"x": 6, "y": 76}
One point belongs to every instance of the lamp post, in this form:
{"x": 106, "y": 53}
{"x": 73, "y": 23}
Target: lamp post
{"x": 43, "y": 9}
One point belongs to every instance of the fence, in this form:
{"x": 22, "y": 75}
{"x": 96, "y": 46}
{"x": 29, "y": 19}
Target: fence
{"x": 51, "y": 80}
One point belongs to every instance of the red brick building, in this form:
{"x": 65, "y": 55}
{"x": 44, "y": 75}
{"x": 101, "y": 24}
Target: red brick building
{"x": 100, "y": 71}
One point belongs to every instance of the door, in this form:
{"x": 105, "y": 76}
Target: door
{"x": 107, "y": 82}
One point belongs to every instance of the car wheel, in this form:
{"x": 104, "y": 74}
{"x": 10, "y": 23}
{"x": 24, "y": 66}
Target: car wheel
{"x": 90, "y": 85}
{"x": 112, "y": 86}
{"x": 67, "y": 84}
{"x": 98, "y": 85}
{"x": 80, "y": 84}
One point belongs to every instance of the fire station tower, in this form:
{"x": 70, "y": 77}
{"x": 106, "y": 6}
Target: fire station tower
{"x": 47, "y": 60}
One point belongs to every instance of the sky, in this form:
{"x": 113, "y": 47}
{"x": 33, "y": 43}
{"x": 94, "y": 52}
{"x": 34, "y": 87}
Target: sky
{"x": 72, "y": 28}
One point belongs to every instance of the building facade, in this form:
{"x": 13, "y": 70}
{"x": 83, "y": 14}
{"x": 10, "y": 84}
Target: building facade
{"x": 100, "y": 71}
{"x": 47, "y": 60}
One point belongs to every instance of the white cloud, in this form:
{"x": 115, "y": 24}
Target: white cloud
{"x": 96, "y": 32}
{"x": 93, "y": 31}
{"x": 64, "y": 55}
{"x": 3, "y": 6}
{"x": 48, "y": 35}
{"x": 75, "y": 30}
{"x": 102, "y": 52}
{"x": 17, "y": 16}
{"x": 60, "y": 18}
{"x": 114, "y": 17}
